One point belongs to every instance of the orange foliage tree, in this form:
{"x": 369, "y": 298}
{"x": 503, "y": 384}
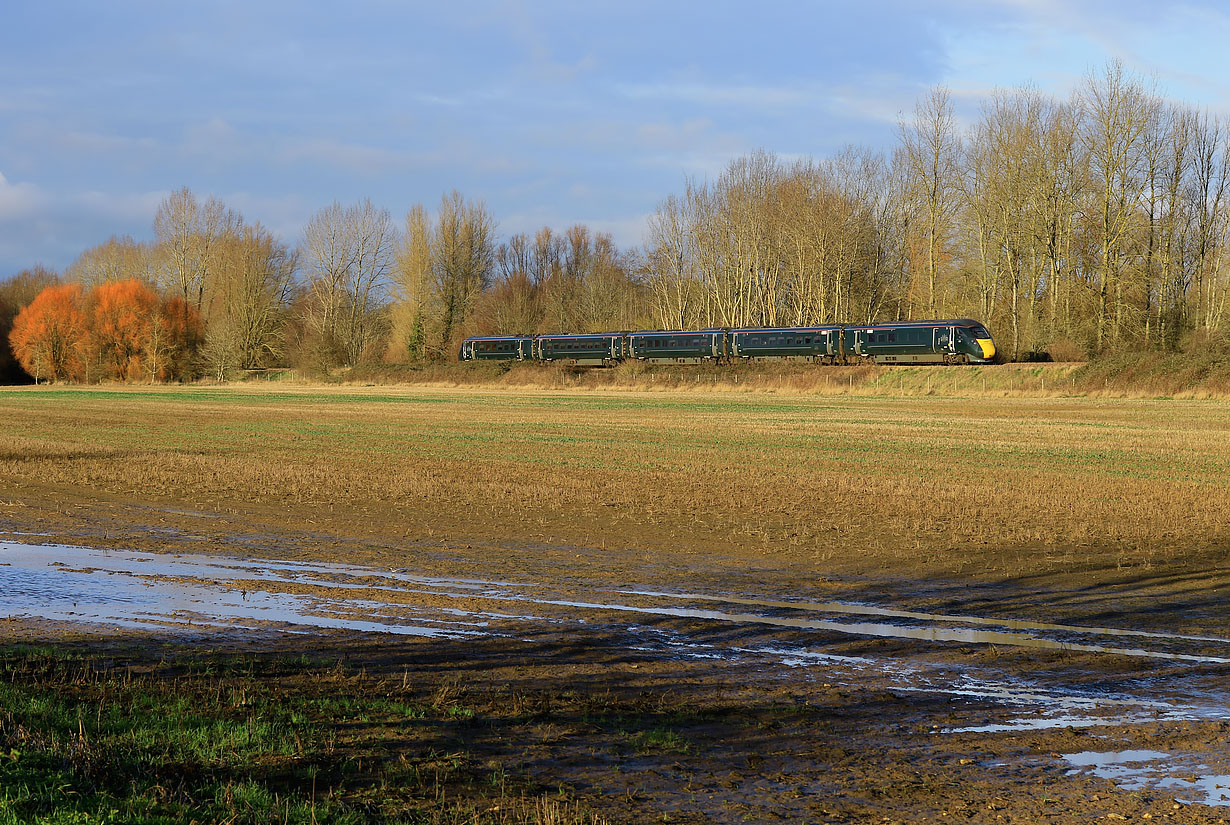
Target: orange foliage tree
{"x": 123, "y": 317}
{"x": 174, "y": 338}
{"x": 122, "y": 330}
{"x": 50, "y": 336}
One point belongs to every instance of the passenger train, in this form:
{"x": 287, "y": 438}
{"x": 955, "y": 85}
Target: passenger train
{"x": 957, "y": 341}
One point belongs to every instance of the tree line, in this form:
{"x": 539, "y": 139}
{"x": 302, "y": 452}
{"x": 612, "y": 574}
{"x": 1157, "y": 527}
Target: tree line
{"x": 1074, "y": 227}
{"x": 1071, "y": 227}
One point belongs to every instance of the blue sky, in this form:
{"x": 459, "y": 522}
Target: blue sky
{"x": 552, "y": 113}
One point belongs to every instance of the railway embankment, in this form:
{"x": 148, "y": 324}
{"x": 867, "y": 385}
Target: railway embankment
{"x": 1140, "y": 375}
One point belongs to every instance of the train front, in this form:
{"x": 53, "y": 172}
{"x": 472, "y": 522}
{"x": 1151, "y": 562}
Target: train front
{"x": 975, "y": 341}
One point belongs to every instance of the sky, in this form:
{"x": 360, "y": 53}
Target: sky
{"x": 551, "y": 113}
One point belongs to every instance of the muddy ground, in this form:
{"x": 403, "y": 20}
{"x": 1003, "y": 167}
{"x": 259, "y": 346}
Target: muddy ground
{"x": 688, "y": 687}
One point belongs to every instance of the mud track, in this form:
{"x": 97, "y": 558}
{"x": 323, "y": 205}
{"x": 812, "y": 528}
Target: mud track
{"x": 764, "y": 697}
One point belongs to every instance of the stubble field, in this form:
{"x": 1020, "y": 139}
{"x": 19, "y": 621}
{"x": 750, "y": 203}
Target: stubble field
{"x": 1070, "y": 519}
{"x": 936, "y": 485}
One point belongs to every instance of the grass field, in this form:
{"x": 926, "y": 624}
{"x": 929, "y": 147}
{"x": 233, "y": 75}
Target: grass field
{"x": 933, "y": 484}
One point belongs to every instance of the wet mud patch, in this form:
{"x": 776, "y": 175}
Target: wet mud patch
{"x": 704, "y": 706}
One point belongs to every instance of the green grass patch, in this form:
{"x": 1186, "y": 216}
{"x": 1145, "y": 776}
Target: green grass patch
{"x": 235, "y": 739}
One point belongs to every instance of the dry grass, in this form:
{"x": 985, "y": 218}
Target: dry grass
{"x": 1129, "y": 375}
{"x": 842, "y": 482}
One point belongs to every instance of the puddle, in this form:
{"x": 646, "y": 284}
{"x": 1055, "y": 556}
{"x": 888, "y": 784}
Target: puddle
{"x": 882, "y": 630}
{"x": 126, "y": 589}
{"x": 871, "y": 610}
{"x": 1140, "y": 770}
{"x": 109, "y": 585}
{"x": 186, "y": 591}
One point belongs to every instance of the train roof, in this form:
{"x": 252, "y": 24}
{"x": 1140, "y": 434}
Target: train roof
{"x": 500, "y": 338}
{"x": 824, "y": 328}
{"x": 942, "y": 322}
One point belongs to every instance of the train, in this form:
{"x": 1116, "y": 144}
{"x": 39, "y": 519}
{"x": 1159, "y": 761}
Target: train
{"x": 953, "y": 341}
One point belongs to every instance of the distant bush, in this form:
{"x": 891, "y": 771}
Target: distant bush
{"x": 1064, "y": 349}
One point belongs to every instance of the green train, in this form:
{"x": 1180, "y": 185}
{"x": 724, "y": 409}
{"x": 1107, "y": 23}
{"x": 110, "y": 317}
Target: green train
{"x": 955, "y": 341}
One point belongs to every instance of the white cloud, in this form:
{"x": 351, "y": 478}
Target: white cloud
{"x": 703, "y": 94}
{"x": 20, "y": 200}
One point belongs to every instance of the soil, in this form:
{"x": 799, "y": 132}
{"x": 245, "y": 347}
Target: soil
{"x": 724, "y": 689}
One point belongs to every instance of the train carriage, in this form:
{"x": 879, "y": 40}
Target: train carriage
{"x": 786, "y": 343}
{"x": 956, "y": 341}
{"x": 497, "y": 348}
{"x": 678, "y": 347}
{"x": 584, "y": 350}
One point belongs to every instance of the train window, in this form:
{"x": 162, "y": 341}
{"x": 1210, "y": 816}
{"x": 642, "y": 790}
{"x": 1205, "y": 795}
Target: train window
{"x": 892, "y": 337}
{"x": 806, "y": 340}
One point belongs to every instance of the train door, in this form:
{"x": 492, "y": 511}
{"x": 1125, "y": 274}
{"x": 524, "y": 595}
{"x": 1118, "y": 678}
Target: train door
{"x": 943, "y": 339}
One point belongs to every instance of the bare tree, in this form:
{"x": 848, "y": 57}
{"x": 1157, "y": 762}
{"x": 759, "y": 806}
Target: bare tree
{"x": 463, "y": 263}
{"x": 119, "y": 259}
{"x": 188, "y": 235}
{"x": 252, "y": 295}
{"x": 932, "y": 150}
{"x": 412, "y": 294}
{"x": 348, "y": 253}
{"x": 1117, "y": 112}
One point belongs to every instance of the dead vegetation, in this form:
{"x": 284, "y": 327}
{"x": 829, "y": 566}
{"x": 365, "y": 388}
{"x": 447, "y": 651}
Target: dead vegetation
{"x": 1137, "y": 375}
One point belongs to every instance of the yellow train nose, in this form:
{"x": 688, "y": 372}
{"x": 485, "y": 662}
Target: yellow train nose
{"x": 988, "y": 347}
